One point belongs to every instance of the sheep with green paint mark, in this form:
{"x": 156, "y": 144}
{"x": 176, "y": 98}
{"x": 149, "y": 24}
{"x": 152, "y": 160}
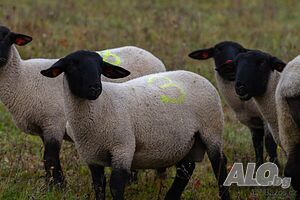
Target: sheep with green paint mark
{"x": 155, "y": 121}
{"x": 36, "y": 103}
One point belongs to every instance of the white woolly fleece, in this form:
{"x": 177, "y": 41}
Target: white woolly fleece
{"x": 36, "y": 102}
{"x": 267, "y": 105}
{"x": 148, "y": 122}
{"x": 288, "y": 86}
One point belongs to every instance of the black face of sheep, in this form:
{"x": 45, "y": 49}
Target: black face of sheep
{"x": 223, "y": 53}
{"x": 252, "y": 73}
{"x": 8, "y": 38}
{"x": 83, "y": 71}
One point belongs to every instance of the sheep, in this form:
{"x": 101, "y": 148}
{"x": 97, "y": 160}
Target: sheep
{"x": 246, "y": 112}
{"x": 255, "y": 77}
{"x": 36, "y": 103}
{"x": 287, "y": 104}
{"x": 158, "y": 120}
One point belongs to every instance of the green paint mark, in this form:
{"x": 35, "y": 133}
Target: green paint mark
{"x": 170, "y": 83}
{"x": 110, "y": 57}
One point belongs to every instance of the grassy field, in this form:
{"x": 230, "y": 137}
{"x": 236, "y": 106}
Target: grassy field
{"x": 168, "y": 29}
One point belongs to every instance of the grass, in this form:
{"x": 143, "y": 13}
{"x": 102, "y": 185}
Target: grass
{"x": 170, "y": 30}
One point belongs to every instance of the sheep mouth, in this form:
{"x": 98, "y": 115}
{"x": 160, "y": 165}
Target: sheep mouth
{"x": 93, "y": 96}
{"x": 245, "y": 97}
{"x": 226, "y": 71}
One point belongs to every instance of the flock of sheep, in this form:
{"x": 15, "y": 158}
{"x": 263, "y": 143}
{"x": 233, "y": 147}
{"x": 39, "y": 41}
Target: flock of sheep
{"x": 141, "y": 117}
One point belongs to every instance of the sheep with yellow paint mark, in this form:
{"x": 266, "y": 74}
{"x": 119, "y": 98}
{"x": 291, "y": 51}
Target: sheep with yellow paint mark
{"x": 127, "y": 126}
{"x": 36, "y": 103}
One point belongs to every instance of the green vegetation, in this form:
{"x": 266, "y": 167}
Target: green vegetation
{"x": 168, "y": 29}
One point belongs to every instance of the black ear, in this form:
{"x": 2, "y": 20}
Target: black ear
{"x": 202, "y": 54}
{"x": 113, "y": 71}
{"x": 55, "y": 70}
{"x": 20, "y": 39}
{"x": 277, "y": 64}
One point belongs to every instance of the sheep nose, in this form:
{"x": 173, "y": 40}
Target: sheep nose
{"x": 95, "y": 89}
{"x": 240, "y": 89}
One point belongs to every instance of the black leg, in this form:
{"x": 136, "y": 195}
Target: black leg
{"x": 54, "y": 174}
{"x": 183, "y": 175}
{"x": 219, "y": 162}
{"x": 292, "y": 168}
{"x": 118, "y": 180}
{"x": 271, "y": 146}
{"x": 258, "y": 144}
{"x": 99, "y": 181}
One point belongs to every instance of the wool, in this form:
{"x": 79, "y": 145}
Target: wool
{"x": 267, "y": 105}
{"x": 24, "y": 91}
{"x": 223, "y": 54}
{"x": 246, "y": 112}
{"x": 36, "y": 103}
{"x": 136, "y": 60}
{"x": 288, "y": 87}
{"x": 130, "y": 127}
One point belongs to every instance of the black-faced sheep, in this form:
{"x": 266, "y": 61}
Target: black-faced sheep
{"x": 154, "y": 121}
{"x": 257, "y": 76}
{"x": 247, "y": 113}
{"x": 36, "y": 103}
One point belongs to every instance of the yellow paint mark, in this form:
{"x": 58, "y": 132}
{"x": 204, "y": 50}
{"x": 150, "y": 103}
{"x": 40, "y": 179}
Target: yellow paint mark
{"x": 170, "y": 83}
{"x": 110, "y": 57}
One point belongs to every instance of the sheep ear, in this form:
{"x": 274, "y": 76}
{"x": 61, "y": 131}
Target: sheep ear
{"x": 20, "y": 39}
{"x": 55, "y": 70}
{"x": 113, "y": 71}
{"x": 202, "y": 54}
{"x": 277, "y": 64}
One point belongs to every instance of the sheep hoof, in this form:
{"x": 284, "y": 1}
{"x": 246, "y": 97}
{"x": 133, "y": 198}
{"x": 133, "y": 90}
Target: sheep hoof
{"x": 55, "y": 182}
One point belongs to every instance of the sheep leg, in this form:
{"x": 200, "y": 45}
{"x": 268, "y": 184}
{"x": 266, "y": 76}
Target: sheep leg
{"x": 54, "y": 174}
{"x": 211, "y": 138}
{"x": 118, "y": 180}
{"x": 99, "y": 181}
{"x": 258, "y": 144}
{"x": 219, "y": 161}
{"x": 121, "y": 164}
{"x": 271, "y": 146}
{"x": 292, "y": 168}
{"x": 183, "y": 174}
